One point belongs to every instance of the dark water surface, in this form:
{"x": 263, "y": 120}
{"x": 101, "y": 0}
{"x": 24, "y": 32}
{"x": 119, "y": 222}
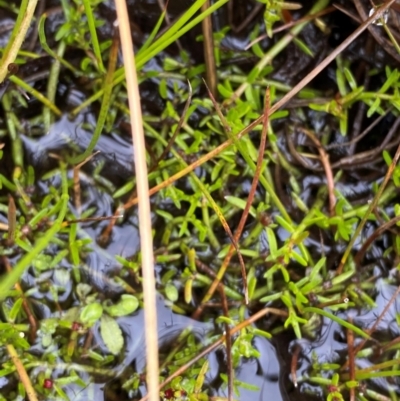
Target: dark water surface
{"x": 271, "y": 372}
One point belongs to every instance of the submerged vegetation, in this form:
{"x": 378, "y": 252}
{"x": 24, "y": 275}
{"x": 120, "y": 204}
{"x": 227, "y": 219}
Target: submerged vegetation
{"x": 274, "y": 196}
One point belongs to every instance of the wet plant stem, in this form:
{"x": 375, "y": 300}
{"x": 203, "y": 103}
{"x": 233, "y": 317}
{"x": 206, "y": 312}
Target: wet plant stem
{"x": 336, "y": 319}
{"x": 25, "y": 16}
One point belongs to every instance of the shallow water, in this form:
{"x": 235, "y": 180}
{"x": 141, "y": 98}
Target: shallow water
{"x": 271, "y": 371}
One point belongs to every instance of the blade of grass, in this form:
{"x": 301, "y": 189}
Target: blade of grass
{"x": 52, "y": 85}
{"x": 105, "y": 104}
{"x": 93, "y": 34}
{"x": 146, "y": 240}
{"x": 154, "y": 32}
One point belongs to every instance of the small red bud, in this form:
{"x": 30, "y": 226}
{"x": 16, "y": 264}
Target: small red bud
{"x": 48, "y": 383}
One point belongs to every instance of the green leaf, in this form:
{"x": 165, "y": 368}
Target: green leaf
{"x": 15, "y": 310}
{"x": 127, "y": 304}
{"x": 188, "y": 290}
{"x": 240, "y": 203}
{"x": 298, "y": 258}
{"x": 111, "y": 334}
{"x": 91, "y": 313}
{"x": 171, "y": 292}
{"x": 273, "y": 246}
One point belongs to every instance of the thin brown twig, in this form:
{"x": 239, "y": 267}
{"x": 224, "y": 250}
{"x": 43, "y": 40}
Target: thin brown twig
{"x": 209, "y": 57}
{"x": 249, "y": 17}
{"x": 324, "y": 158}
{"x": 376, "y": 32}
{"x": 12, "y": 220}
{"x": 246, "y": 210}
{"x": 234, "y": 238}
{"x": 177, "y": 129}
{"x": 360, "y": 136}
{"x": 77, "y": 184}
{"x": 377, "y": 233}
{"x": 347, "y": 161}
{"x": 347, "y": 12}
{"x": 293, "y": 364}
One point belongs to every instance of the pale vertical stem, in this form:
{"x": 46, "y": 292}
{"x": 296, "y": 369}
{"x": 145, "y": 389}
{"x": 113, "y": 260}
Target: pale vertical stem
{"x": 18, "y": 36}
{"x": 146, "y": 240}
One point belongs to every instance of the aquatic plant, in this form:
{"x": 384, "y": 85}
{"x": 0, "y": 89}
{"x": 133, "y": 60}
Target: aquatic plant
{"x": 260, "y": 230}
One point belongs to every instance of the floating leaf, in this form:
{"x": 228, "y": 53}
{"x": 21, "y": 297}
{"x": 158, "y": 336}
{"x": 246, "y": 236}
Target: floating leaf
{"x": 111, "y": 334}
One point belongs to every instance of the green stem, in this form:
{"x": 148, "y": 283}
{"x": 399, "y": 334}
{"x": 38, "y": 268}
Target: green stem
{"x": 52, "y": 86}
{"x": 36, "y": 94}
{"x": 93, "y": 34}
{"x": 337, "y": 320}
{"x": 16, "y": 143}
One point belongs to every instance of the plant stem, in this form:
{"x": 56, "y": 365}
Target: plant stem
{"x": 23, "y": 375}
{"x": 146, "y": 239}
{"x": 24, "y": 19}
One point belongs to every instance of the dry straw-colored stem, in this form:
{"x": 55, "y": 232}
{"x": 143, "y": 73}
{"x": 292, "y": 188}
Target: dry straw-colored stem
{"x": 146, "y": 240}
{"x": 17, "y": 37}
{"x": 23, "y": 375}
